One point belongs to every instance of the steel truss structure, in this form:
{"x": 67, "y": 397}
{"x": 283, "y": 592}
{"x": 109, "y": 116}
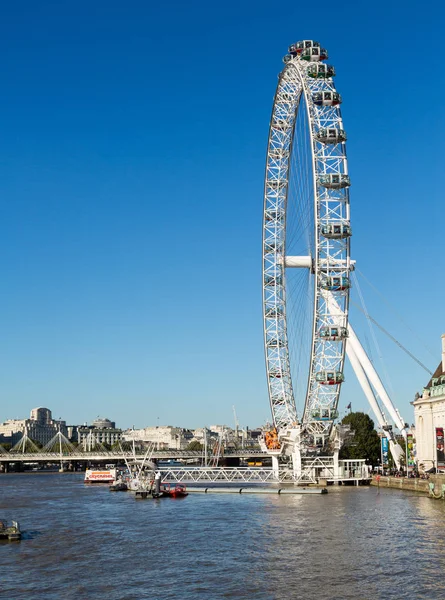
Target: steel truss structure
{"x": 302, "y": 88}
{"x": 307, "y": 172}
{"x": 312, "y": 470}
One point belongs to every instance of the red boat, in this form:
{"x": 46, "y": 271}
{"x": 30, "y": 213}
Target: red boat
{"x": 176, "y": 490}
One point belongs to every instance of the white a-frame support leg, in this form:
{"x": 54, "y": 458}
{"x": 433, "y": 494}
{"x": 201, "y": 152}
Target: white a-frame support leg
{"x": 395, "y": 449}
{"x": 374, "y": 379}
{"x": 367, "y": 375}
{"x": 365, "y": 363}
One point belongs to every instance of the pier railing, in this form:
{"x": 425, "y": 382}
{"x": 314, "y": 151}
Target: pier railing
{"x": 313, "y": 471}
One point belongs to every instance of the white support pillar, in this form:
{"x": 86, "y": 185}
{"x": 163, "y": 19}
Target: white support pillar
{"x": 395, "y": 449}
{"x": 336, "y": 464}
{"x": 275, "y": 467}
{"x": 364, "y": 384}
{"x": 367, "y": 366}
{"x": 375, "y": 379}
{"x": 296, "y": 461}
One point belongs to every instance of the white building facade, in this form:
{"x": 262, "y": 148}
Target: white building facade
{"x": 101, "y": 431}
{"x": 164, "y": 437}
{"x": 429, "y": 414}
{"x": 40, "y": 427}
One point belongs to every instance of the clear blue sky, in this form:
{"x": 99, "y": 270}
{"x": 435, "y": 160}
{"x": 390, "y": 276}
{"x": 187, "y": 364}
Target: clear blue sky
{"x": 132, "y": 155}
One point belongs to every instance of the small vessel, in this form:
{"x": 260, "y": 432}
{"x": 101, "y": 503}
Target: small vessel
{"x": 146, "y": 495}
{"x": 156, "y": 489}
{"x": 177, "y": 490}
{"x": 100, "y": 476}
{"x": 119, "y": 486}
{"x": 11, "y": 532}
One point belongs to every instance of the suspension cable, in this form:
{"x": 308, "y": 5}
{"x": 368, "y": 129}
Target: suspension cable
{"x": 376, "y": 344}
{"x": 394, "y": 310}
{"x": 368, "y": 316}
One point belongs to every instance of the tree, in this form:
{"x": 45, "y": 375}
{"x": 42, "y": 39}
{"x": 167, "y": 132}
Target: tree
{"x": 194, "y": 445}
{"x": 365, "y": 442}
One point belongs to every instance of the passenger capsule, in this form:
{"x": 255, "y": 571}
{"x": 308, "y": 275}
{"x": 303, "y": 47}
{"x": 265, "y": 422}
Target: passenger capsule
{"x": 320, "y": 71}
{"x": 275, "y": 343}
{"x": 324, "y": 414}
{"x": 314, "y": 54}
{"x": 334, "y": 181}
{"x": 336, "y": 284}
{"x": 273, "y": 312}
{"x": 298, "y": 47}
{"x": 326, "y": 98}
{"x": 331, "y": 135}
{"x": 329, "y": 377}
{"x": 287, "y": 58}
{"x": 332, "y": 333}
{"x": 336, "y": 231}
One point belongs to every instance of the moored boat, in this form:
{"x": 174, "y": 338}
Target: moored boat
{"x": 119, "y": 486}
{"x": 165, "y": 490}
{"x": 100, "y": 476}
{"x": 177, "y": 490}
{"x": 11, "y": 532}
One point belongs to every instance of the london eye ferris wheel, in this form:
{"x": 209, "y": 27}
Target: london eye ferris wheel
{"x": 306, "y": 246}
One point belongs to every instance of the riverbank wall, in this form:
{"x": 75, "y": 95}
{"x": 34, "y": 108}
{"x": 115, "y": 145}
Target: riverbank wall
{"x": 412, "y": 485}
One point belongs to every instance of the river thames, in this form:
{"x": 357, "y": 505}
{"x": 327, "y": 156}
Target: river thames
{"x": 87, "y": 543}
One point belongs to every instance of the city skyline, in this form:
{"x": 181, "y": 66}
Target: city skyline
{"x": 154, "y": 423}
{"x": 132, "y": 186}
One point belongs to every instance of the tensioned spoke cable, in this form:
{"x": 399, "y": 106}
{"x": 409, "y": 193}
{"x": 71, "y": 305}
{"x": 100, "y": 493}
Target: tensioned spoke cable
{"x": 300, "y": 192}
{"x": 300, "y": 225}
{"x": 373, "y": 336}
{"x": 398, "y": 315}
{"x": 391, "y": 337}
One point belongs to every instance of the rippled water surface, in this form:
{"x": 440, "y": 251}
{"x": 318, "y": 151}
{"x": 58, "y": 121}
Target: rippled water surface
{"x": 87, "y": 543}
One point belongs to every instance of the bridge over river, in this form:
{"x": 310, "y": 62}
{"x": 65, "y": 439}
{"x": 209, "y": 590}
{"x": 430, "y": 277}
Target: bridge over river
{"x": 120, "y": 457}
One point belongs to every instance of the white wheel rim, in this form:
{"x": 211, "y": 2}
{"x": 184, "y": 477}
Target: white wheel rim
{"x": 329, "y": 257}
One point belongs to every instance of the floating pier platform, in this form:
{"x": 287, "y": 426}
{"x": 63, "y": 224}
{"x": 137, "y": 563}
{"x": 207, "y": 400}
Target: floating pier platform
{"x": 256, "y": 490}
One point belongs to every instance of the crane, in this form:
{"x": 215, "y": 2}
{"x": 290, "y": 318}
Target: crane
{"x": 236, "y": 421}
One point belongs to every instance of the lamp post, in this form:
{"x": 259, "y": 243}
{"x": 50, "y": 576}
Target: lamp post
{"x": 381, "y": 452}
{"x": 406, "y": 448}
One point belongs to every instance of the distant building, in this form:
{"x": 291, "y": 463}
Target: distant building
{"x": 204, "y": 432}
{"x": 12, "y": 430}
{"x": 429, "y": 414}
{"x": 101, "y": 431}
{"x": 230, "y": 438}
{"x": 40, "y": 427}
{"x": 72, "y": 433}
{"x": 219, "y": 429}
{"x": 164, "y": 438}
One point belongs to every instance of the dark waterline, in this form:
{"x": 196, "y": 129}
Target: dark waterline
{"x": 84, "y": 542}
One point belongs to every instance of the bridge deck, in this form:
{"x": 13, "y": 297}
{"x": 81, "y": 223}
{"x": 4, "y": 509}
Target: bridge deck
{"x": 118, "y": 456}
